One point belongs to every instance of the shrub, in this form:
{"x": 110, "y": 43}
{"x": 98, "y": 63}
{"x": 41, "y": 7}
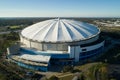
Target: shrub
{"x": 67, "y": 69}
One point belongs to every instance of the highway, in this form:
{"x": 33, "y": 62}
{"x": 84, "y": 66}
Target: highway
{"x": 7, "y": 32}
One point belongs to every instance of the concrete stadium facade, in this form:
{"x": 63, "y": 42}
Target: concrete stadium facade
{"x": 57, "y": 42}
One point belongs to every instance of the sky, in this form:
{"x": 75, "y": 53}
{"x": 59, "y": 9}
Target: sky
{"x": 59, "y": 8}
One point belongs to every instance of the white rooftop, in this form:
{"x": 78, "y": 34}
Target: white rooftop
{"x": 60, "y": 30}
{"x": 36, "y": 58}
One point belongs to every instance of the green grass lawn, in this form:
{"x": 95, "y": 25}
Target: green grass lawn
{"x": 14, "y": 27}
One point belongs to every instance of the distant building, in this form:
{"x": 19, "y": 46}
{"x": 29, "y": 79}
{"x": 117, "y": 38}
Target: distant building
{"x": 108, "y": 23}
{"x": 56, "y": 42}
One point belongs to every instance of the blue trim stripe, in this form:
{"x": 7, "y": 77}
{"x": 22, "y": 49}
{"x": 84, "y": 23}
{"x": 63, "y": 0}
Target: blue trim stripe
{"x": 27, "y": 51}
{"x": 91, "y": 53}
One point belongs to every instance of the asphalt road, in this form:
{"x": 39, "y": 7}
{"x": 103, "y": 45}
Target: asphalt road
{"x": 7, "y": 32}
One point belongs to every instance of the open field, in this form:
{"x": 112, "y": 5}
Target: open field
{"x": 14, "y": 27}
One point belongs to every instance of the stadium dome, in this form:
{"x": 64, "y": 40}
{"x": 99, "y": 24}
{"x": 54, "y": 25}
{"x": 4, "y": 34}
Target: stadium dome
{"x": 56, "y": 42}
{"x": 60, "y": 30}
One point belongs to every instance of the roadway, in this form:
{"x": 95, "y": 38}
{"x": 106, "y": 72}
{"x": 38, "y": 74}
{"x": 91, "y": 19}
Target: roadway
{"x": 7, "y": 32}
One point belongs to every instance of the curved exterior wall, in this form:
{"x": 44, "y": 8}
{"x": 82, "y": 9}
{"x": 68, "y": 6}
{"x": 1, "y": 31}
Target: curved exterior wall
{"x": 91, "y": 50}
{"x": 53, "y": 46}
{"x": 78, "y": 53}
{"x": 90, "y": 54}
{"x": 73, "y": 51}
{"x": 52, "y": 54}
{"x": 44, "y": 46}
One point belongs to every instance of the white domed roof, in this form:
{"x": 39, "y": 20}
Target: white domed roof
{"x": 60, "y": 30}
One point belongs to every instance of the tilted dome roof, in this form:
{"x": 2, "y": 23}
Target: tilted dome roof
{"x": 60, "y": 30}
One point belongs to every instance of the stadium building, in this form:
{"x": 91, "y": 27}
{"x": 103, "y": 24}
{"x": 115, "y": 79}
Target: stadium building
{"x": 56, "y": 42}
